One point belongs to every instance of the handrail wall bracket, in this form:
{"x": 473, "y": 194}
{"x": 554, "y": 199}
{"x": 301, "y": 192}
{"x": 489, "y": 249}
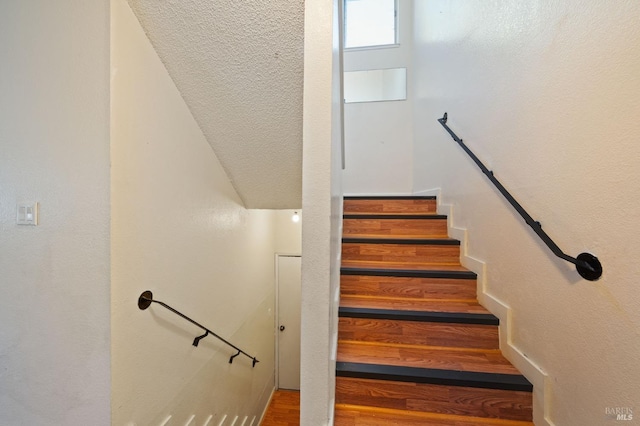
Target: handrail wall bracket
{"x": 594, "y": 271}
{"x": 146, "y": 299}
{"x": 196, "y": 341}
{"x": 587, "y": 265}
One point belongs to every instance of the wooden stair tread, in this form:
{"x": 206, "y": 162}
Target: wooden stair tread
{"x": 389, "y": 197}
{"x": 433, "y": 398}
{"x": 415, "y": 287}
{"x": 358, "y": 415}
{"x": 403, "y": 251}
{"x": 422, "y": 333}
{"x": 392, "y": 216}
{"x": 403, "y": 266}
{"x": 380, "y": 205}
{"x": 395, "y": 236}
{"x": 394, "y": 226}
{"x": 438, "y": 271}
{"x": 446, "y": 358}
{"x": 435, "y": 376}
{"x": 403, "y": 239}
{"x": 412, "y": 304}
{"x": 392, "y": 213}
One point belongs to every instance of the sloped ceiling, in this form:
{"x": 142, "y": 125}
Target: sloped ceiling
{"x": 239, "y": 67}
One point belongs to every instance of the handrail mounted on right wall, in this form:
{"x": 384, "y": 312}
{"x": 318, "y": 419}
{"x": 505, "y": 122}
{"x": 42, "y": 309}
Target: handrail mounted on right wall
{"x": 587, "y": 265}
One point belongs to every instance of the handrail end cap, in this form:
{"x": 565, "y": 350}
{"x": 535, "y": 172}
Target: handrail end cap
{"x": 145, "y": 299}
{"x": 594, "y": 272}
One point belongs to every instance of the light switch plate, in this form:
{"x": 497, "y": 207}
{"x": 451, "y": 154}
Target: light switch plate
{"x": 27, "y": 214}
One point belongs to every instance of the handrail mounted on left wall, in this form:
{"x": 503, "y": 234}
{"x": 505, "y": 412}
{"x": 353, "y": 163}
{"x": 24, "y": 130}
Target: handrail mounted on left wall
{"x": 146, "y": 299}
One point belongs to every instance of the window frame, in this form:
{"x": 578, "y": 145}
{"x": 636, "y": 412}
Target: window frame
{"x": 396, "y": 35}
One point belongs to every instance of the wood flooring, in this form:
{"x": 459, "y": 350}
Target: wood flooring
{"x": 283, "y": 410}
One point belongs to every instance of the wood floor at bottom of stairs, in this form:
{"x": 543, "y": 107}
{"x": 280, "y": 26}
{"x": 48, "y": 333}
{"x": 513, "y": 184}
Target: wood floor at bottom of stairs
{"x": 356, "y": 415}
{"x": 283, "y": 410}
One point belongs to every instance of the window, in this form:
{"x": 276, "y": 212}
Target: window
{"x": 370, "y": 23}
{"x": 375, "y": 85}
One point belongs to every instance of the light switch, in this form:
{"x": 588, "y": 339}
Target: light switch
{"x": 27, "y": 214}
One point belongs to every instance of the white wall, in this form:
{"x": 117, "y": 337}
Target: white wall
{"x": 322, "y": 204}
{"x": 288, "y": 234}
{"x": 179, "y": 229}
{"x": 379, "y": 135}
{"x": 546, "y": 93}
{"x": 54, "y": 149}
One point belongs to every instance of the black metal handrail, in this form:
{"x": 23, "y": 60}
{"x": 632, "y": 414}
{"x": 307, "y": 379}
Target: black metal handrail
{"x": 146, "y": 299}
{"x": 587, "y": 265}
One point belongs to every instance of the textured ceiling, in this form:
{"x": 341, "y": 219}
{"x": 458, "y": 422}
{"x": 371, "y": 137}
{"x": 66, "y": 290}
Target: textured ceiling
{"x": 239, "y": 67}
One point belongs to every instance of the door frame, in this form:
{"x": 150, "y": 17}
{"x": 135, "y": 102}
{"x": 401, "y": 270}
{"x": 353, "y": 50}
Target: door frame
{"x": 276, "y": 320}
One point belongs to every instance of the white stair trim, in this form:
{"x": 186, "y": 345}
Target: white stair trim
{"x": 534, "y": 373}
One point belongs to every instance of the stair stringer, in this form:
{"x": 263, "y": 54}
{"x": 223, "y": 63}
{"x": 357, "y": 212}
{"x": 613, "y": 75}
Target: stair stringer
{"x": 542, "y": 386}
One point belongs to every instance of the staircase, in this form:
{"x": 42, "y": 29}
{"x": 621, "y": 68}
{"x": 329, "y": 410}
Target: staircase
{"x": 415, "y": 346}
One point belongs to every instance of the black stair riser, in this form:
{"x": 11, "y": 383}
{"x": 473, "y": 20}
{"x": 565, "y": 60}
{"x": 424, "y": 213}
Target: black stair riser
{"x": 392, "y": 197}
{"x": 462, "y": 275}
{"x": 433, "y": 376}
{"x": 415, "y": 241}
{"x": 395, "y": 216}
{"x": 419, "y": 316}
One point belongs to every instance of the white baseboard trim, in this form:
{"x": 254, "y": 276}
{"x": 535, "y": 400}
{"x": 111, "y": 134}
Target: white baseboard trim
{"x": 533, "y": 372}
{"x": 428, "y": 192}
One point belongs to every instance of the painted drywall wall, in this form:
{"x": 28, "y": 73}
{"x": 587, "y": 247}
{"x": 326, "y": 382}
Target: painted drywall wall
{"x": 322, "y": 205}
{"x": 180, "y": 230}
{"x": 379, "y": 135}
{"x": 547, "y": 95}
{"x": 54, "y": 149}
{"x": 288, "y": 234}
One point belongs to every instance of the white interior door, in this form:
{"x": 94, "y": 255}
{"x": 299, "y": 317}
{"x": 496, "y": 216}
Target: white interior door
{"x": 288, "y": 326}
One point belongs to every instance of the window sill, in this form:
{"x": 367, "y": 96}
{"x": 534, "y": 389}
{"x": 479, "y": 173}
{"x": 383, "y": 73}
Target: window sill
{"x": 381, "y": 46}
